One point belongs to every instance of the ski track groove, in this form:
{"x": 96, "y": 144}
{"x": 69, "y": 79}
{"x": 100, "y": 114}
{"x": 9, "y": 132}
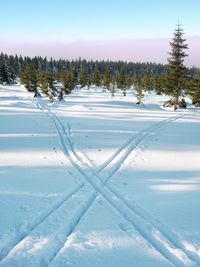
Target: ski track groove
{"x": 141, "y": 220}
{"x": 164, "y": 230}
{"x": 156, "y": 243}
{"x": 31, "y": 226}
{"x": 135, "y": 219}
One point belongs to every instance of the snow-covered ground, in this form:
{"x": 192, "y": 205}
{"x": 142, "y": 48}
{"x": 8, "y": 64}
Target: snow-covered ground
{"x": 96, "y": 181}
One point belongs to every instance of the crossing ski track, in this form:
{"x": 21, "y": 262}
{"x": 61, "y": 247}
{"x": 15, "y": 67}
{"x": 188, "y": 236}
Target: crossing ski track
{"x": 172, "y": 249}
{"x": 165, "y": 230}
{"x": 159, "y": 236}
{"x": 139, "y": 139}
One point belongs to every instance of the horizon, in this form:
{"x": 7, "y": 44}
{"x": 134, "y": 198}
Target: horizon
{"x": 136, "y": 48}
{"x": 101, "y": 30}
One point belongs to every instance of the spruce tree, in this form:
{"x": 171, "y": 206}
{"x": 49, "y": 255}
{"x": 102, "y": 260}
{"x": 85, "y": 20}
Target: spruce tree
{"x": 176, "y": 72}
{"x": 158, "y": 84}
{"x": 96, "y": 80}
{"x": 106, "y": 79}
{"x": 69, "y": 80}
{"x": 194, "y": 90}
{"x": 5, "y": 75}
{"x": 113, "y": 85}
{"x": 121, "y": 81}
{"x": 43, "y": 82}
{"x": 138, "y": 85}
{"x": 83, "y": 77}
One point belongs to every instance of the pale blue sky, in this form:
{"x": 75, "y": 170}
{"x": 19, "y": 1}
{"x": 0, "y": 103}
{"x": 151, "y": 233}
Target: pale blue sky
{"x": 96, "y": 19}
{"x": 59, "y": 22}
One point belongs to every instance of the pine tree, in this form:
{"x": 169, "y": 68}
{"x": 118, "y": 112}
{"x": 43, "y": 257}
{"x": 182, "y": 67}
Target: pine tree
{"x": 147, "y": 82}
{"x": 106, "y": 79}
{"x": 96, "y": 80}
{"x": 176, "y": 72}
{"x": 128, "y": 81}
{"x": 5, "y": 75}
{"x": 30, "y": 79}
{"x": 139, "y": 90}
{"x": 43, "y": 82}
{"x": 83, "y": 77}
{"x": 194, "y": 90}
{"x": 69, "y": 81}
{"x": 158, "y": 83}
{"x": 121, "y": 81}
{"x": 113, "y": 85}
{"x": 51, "y": 86}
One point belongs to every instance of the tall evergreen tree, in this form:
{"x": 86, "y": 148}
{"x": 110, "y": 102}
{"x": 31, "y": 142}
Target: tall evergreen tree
{"x": 176, "y": 72}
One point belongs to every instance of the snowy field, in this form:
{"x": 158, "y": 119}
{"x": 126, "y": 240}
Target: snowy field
{"x": 96, "y": 181}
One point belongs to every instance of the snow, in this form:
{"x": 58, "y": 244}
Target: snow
{"x": 97, "y": 181}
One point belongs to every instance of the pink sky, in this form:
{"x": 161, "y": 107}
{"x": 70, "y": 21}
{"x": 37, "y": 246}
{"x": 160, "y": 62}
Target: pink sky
{"x": 154, "y": 50}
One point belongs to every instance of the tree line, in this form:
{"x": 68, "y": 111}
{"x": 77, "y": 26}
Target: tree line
{"x": 54, "y": 78}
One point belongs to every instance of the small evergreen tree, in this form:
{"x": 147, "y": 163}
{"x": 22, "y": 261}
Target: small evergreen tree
{"x": 158, "y": 84}
{"x": 121, "y": 81}
{"x": 128, "y": 81}
{"x": 83, "y": 77}
{"x": 30, "y": 79}
{"x": 5, "y": 74}
{"x": 147, "y": 82}
{"x": 194, "y": 90}
{"x": 113, "y": 86}
{"x": 139, "y": 90}
{"x": 43, "y": 82}
{"x": 69, "y": 80}
{"x": 106, "y": 79}
{"x": 176, "y": 72}
{"x": 96, "y": 79}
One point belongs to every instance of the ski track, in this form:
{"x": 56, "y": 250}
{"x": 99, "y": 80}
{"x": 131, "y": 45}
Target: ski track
{"x": 7, "y": 245}
{"x": 172, "y": 237}
{"x": 165, "y": 230}
{"x": 159, "y": 236}
{"x": 166, "y": 246}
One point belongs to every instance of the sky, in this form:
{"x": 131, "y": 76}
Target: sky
{"x": 132, "y": 30}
